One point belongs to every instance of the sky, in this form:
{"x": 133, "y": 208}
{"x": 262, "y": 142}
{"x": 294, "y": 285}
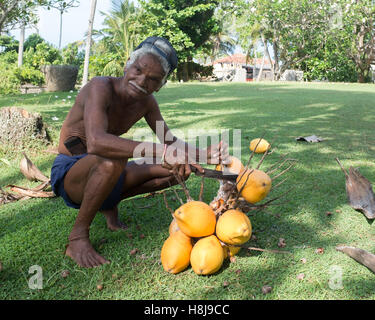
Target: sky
{"x": 74, "y": 24}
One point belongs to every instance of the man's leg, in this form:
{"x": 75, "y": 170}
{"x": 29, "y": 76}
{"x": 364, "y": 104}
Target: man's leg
{"x": 146, "y": 178}
{"x": 89, "y": 182}
{"x": 139, "y": 179}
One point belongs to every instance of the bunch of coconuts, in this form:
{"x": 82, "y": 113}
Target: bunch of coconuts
{"x": 202, "y": 238}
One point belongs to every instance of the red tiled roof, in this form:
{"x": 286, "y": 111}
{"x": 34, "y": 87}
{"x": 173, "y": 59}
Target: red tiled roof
{"x": 241, "y": 59}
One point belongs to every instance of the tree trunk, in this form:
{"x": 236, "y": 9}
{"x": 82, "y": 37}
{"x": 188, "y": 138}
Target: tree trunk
{"x": 20, "y": 47}
{"x": 261, "y": 70}
{"x": 60, "y": 35}
{"x": 276, "y": 67}
{"x": 361, "y": 77}
{"x": 268, "y": 54}
{"x": 88, "y": 43}
{"x": 19, "y": 127}
{"x": 185, "y": 71}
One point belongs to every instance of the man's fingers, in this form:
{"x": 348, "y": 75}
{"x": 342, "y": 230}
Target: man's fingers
{"x": 199, "y": 167}
{"x": 187, "y": 171}
{"x": 181, "y": 170}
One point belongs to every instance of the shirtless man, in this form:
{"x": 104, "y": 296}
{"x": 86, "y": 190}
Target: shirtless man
{"x": 92, "y": 172}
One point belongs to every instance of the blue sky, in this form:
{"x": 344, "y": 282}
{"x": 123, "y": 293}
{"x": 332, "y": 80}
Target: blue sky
{"x": 75, "y": 22}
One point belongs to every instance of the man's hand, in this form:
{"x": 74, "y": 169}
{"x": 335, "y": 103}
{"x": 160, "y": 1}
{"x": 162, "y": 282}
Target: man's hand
{"x": 218, "y": 154}
{"x": 177, "y": 161}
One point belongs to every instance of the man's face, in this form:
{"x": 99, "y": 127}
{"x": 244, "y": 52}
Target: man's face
{"x": 144, "y": 76}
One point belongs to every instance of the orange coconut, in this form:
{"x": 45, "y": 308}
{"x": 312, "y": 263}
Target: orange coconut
{"x": 258, "y": 185}
{"x": 173, "y": 227}
{"x": 230, "y": 251}
{"x": 207, "y": 256}
{"x": 261, "y": 146}
{"x": 233, "y": 227}
{"x": 196, "y": 219}
{"x": 234, "y": 167}
{"x": 175, "y": 253}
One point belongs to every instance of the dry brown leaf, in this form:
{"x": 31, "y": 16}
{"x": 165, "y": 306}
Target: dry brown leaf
{"x": 134, "y": 251}
{"x": 266, "y": 289}
{"x": 281, "y": 243}
{"x": 300, "y": 276}
{"x": 65, "y": 273}
{"x": 30, "y": 170}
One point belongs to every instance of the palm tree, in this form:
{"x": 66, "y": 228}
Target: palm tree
{"x": 223, "y": 42}
{"x": 120, "y": 35}
{"x": 88, "y": 43}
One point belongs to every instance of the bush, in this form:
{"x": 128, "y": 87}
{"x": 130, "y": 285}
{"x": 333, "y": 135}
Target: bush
{"x": 9, "y": 83}
{"x": 42, "y": 54}
{"x": 105, "y": 65}
{"x": 26, "y": 74}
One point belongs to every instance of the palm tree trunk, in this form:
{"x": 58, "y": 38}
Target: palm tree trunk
{"x": 88, "y": 43}
{"x": 60, "y": 34}
{"x": 20, "y": 47}
{"x": 261, "y": 70}
{"x": 266, "y": 51}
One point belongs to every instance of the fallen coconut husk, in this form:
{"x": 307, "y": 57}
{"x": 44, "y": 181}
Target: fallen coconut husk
{"x": 363, "y": 257}
{"x": 6, "y": 197}
{"x": 30, "y": 171}
{"x": 30, "y": 192}
{"x": 359, "y": 191}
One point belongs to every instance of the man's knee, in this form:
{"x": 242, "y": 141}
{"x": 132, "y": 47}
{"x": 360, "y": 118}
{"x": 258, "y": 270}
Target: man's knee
{"x": 110, "y": 166}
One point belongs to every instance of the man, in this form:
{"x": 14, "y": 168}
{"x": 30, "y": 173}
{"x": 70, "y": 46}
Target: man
{"x": 92, "y": 172}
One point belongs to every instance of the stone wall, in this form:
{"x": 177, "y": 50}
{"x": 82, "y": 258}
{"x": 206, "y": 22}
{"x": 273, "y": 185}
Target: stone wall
{"x": 60, "y": 77}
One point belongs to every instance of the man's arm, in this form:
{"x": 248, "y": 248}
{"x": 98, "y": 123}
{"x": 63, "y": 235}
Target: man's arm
{"x": 213, "y": 154}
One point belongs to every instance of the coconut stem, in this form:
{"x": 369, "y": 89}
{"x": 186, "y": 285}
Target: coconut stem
{"x": 176, "y": 194}
{"x": 183, "y": 185}
{"x": 201, "y": 190}
{"x": 166, "y": 203}
{"x": 282, "y": 172}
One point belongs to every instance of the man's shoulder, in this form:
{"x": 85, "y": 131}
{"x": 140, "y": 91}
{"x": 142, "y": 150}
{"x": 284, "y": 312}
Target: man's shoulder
{"x": 102, "y": 82}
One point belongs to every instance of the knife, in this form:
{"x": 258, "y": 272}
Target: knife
{"x": 214, "y": 174}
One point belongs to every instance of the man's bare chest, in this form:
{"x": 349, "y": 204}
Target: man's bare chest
{"x": 120, "y": 121}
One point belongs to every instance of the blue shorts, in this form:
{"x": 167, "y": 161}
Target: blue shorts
{"x": 60, "y": 168}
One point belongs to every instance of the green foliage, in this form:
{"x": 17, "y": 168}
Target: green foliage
{"x": 323, "y": 37}
{"x": 43, "y": 54}
{"x": 9, "y": 57}
{"x": 332, "y": 65}
{"x": 196, "y": 71}
{"x": 105, "y": 65}
{"x": 8, "y": 43}
{"x": 72, "y": 56}
{"x": 32, "y": 41}
{"x": 9, "y": 82}
{"x": 16, "y": 12}
{"x": 186, "y": 24}
{"x": 27, "y": 74}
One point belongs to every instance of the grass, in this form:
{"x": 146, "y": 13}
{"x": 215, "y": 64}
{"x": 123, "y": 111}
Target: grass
{"x": 34, "y": 232}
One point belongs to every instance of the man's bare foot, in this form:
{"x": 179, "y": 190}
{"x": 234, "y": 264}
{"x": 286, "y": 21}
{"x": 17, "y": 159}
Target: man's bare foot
{"x": 113, "y": 221}
{"x": 82, "y": 252}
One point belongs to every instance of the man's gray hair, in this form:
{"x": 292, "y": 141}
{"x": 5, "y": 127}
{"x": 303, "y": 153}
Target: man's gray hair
{"x": 151, "y": 50}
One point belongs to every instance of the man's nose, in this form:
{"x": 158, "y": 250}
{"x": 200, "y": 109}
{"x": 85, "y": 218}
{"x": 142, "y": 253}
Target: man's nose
{"x": 141, "y": 81}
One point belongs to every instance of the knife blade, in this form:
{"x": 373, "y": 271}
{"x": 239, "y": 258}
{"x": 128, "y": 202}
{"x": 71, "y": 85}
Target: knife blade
{"x": 214, "y": 174}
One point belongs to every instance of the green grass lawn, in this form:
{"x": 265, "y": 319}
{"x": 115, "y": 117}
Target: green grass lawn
{"x": 34, "y": 232}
